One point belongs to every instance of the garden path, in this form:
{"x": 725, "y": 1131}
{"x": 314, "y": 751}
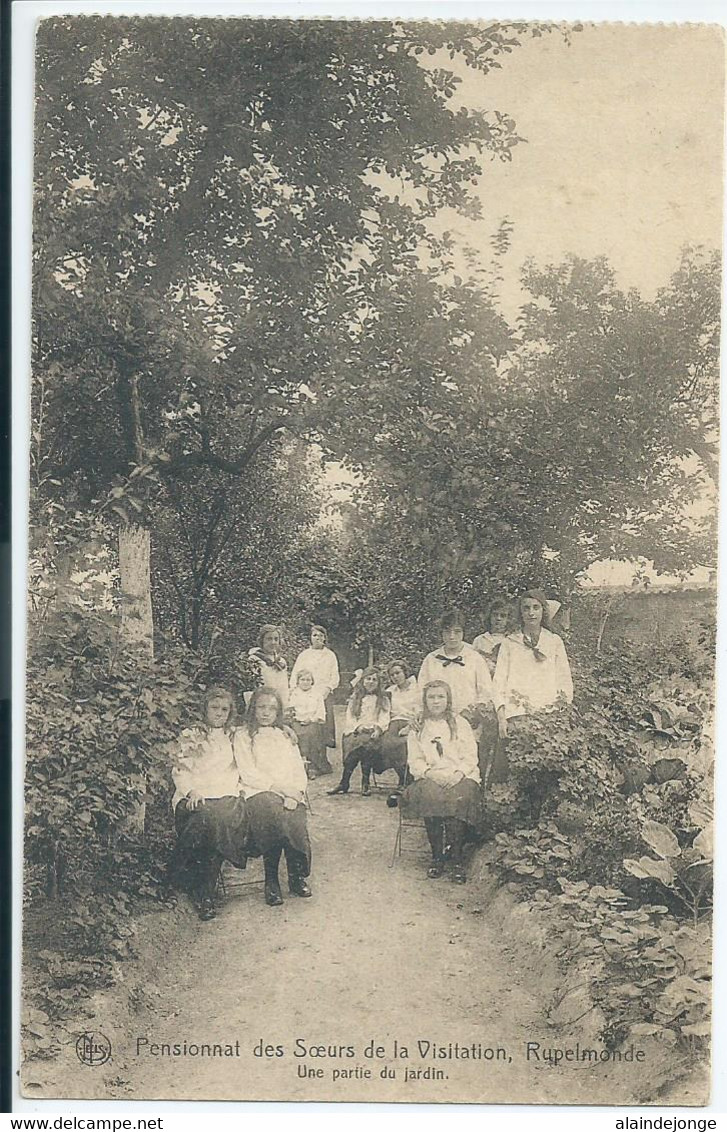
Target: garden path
{"x": 379, "y": 954}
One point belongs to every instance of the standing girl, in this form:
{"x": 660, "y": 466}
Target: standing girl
{"x": 273, "y": 782}
{"x": 498, "y": 624}
{"x": 273, "y": 667}
{"x": 532, "y": 673}
{"x": 307, "y": 715}
{"x": 367, "y": 717}
{"x": 446, "y": 787}
{"x": 323, "y": 663}
{"x": 461, "y": 666}
{"x": 532, "y": 670}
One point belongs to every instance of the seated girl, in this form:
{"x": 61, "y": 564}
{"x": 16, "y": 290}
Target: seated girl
{"x": 498, "y": 626}
{"x": 405, "y": 707}
{"x": 273, "y": 781}
{"x": 446, "y": 787}
{"x": 307, "y": 715}
{"x": 367, "y": 717}
{"x": 466, "y": 672}
{"x": 209, "y": 814}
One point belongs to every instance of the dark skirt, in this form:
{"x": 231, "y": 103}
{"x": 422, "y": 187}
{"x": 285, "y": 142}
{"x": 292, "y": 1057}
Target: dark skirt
{"x": 274, "y": 828}
{"x": 426, "y": 799}
{"x": 218, "y": 826}
{"x": 362, "y": 743}
{"x": 330, "y": 724}
{"x": 392, "y": 754}
{"x": 488, "y": 746}
{"x": 500, "y": 763}
{"x": 312, "y": 743}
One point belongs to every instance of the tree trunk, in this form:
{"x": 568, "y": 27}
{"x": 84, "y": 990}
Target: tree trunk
{"x": 137, "y": 628}
{"x": 137, "y": 631}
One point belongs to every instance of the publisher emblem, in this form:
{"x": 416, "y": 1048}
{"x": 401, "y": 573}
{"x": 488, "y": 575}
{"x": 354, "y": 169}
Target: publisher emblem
{"x": 93, "y": 1048}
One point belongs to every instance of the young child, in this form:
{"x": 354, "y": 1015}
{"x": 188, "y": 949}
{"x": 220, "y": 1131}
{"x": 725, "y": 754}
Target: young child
{"x": 307, "y": 716}
{"x": 273, "y": 782}
{"x": 322, "y": 661}
{"x": 367, "y": 717}
{"x": 498, "y": 626}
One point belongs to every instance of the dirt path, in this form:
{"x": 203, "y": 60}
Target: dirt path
{"x": 379, "y": 954}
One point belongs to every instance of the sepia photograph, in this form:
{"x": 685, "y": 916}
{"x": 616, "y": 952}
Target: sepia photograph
{"x": 371, "y": 613}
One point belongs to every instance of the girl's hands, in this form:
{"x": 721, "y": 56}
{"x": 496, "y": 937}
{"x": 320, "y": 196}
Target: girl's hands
{"x": 194, "y": 799}
{"x": 290, "y": 804}
{"x": 290, "y": 733}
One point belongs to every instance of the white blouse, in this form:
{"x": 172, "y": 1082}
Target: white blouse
{"x": 205, "y": 762}
{"x": 406, "y": 702}
{"x": 269, "y": 761}
{"x": 307, "y": 707}
{"x": 434, "y": 754}
{"x": 274, "y": 678}
{"x": 323, "y": 663}
{"x": 524, "y": 684}
{"x": 467, "y": 675}
{"x": 369, "y": 716}
{"x": 488, "y": 644}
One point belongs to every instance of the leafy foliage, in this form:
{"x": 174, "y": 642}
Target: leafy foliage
{"x": 635, "y": 927}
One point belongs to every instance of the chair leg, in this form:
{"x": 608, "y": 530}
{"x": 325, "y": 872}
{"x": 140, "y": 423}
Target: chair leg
{"x": 397, "y": 844}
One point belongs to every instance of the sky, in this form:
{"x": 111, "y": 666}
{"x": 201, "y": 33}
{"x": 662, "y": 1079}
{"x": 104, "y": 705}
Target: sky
{"x": 624, "y": 150}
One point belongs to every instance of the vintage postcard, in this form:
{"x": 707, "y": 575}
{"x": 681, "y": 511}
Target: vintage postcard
{"x": 371, "y": 612}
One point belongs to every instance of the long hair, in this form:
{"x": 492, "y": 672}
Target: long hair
{"x": 320, "y": 629}
{"x": 250, "y": 715}
{"x": 539, "y": 596}
{"x": 219, "y": 692}
{"x": 449, "y": 713}
{"x": 382, "y": 700}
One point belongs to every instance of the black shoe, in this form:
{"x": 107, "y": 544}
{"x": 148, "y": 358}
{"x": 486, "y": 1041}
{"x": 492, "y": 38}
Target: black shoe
{"x": 436, "y": 869}
{"x": 459, "y": 876}
{"x": 339, "y": 789}
{"x": 273, "y": 895}
{"x": 299, "y": 886}
{"x": 365, "y": 789}
{"x": 207, "y": 910}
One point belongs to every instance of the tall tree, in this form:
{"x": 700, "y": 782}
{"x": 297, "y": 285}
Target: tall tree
{"x": 222, "y": 208}
{"x": 589, "y": 434}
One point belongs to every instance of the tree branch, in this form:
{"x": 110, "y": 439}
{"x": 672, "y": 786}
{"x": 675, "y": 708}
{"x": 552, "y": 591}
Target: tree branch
{"x": 206, "y": 458}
